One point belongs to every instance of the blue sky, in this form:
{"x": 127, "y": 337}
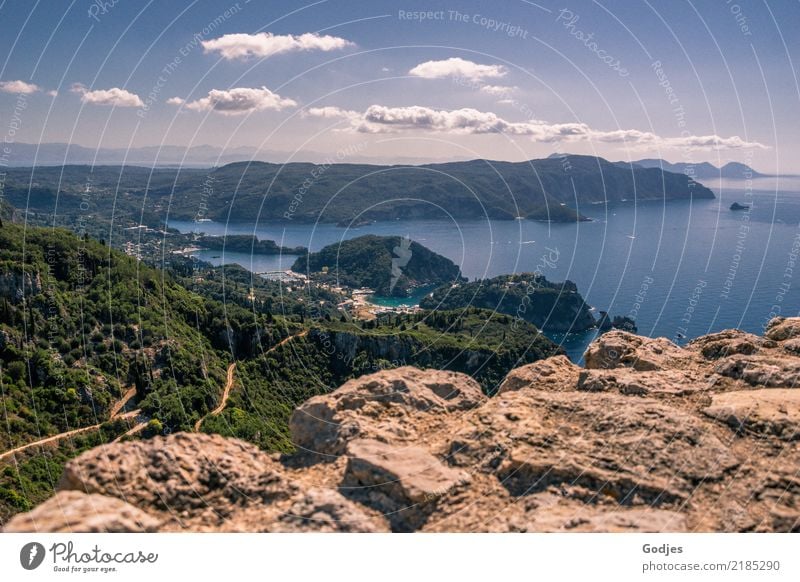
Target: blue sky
{"x": 506, "y": 80}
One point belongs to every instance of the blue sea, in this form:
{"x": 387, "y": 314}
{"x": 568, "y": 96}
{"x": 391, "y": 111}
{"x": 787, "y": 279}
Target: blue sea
{"x": 680, "y": 268}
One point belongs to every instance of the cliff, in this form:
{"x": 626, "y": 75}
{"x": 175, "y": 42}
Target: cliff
{"x": 649, "y": 436}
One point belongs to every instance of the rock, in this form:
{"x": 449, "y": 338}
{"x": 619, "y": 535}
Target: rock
{"x": 194, "y": 476}
{"x": 571, "y": 518}
{"x": 402, "y": 482}
{"x": 327, "y": 510}
{"x": 622, "y": 349}
{"x": 387, "y": 406}
{"x": 76, "y": 512}
{"x": 726, "y": 343}
{"x": 592, "y": 446}
{"x": 783, "y": 328}
{"x": 633, "y": 383}
{"x": 773, "y": 412}
{"x": 556, "y": 373}
{"x": 407, "y": 474}
{"x": 315, "y": 510}
{"x": 792, "y": 346}
{"x": 771, "y": 370}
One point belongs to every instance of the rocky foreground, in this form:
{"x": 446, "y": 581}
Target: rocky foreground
{"x": 648, "y": 437}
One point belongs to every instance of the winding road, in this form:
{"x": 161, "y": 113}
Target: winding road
{"x": 229, "y": 384}
{"x": 129, "y": 394}
{"x": 65, "y": 435}
{"x": 223, "y": 402}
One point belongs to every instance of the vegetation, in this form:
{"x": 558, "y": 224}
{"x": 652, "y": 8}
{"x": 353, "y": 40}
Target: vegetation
{"x": 242, "y": 243}
{"x": 389, "y": 265}
{"x": 555, "y": 307}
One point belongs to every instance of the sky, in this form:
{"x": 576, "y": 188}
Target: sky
{"x": 683, "y": 81}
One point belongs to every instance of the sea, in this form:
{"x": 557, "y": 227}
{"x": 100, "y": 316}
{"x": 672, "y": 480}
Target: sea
{"x": 680, "y": 268}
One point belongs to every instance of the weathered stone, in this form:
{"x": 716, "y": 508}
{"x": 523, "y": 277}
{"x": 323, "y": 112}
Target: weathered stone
{"x": 556, "y": 373}
{"x": 726, "y": 343}
{"x": 592, "y": 446}
{"x": 630, "y": 382}
{"x": 184, "y": 474}
{"x": 771, "y": 370}
{"x": 76, "y": 512}
{"x": 402, "y": 482}
{"x": 617, "y": 349}
{"x": 783, "y": 328}
{"x": 772, "y": 412}
{"x": 408, "y": 474}
{"x": 388, "y": 406}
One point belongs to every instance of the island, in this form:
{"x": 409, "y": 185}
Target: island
{"x": 737, "y": 206}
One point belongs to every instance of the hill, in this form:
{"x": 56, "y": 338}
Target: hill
{"x": 555, "y": 307}
{"x": 700, "y": 170}
{"x": 389, "y": 265}
{"x": 558, "y": 189}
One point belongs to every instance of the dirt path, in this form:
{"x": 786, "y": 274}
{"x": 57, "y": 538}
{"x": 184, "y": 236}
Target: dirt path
{"x": 287, "y": 340}
{"x": 229, "y": 384}
{"x": 138, "y": 427}
{"x": 64, "y": 435}
{"x": 122, "y": 402}
{"x": 223, "y": 402}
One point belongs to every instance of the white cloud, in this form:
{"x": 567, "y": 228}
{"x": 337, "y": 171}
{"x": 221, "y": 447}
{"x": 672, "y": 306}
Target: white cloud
{"x": 175, "y": 101}
{"x": 457, "y": 67}
{"x": 240, "y": 100}
{"x": 18, "y": 87}
{"x": 332, "y": 113}
{"x": 498, "y": 90}
{"x": 467, "y": 121}
{"x": 266, "y": 44}
{"x": 52, "y": 93}
{"x": 115, "y": 96}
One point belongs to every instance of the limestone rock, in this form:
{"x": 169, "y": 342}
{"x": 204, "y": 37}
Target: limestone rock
{"x": 593, "y": 446}
{"x": 556, "y": 373}
{"x": 771, "y": 370}
{"x": 772, "y": 412}
{"x": 783, "y": 328}
{"x": 633, "y": 383}
{"x": 76, "y": 512}
{"x": 193, "y": 476}
{"x": 617, "y": 349}
{"x": 726, "y": 343}
{"x": 388, "y": 406}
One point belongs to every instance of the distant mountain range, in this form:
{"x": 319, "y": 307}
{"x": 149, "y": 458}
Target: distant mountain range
{"x": 59, "y": 154}
{"x": 554, "y": 189}
{"x": 700, "y": 170}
